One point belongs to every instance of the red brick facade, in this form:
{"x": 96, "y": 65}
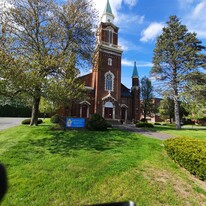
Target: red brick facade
{"x": 106, "y": 95}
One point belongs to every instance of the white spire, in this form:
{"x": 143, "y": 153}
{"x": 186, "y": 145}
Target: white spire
{"x": 107, "y": 15}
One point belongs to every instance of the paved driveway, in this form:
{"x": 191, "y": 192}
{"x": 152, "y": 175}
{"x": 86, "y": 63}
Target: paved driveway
{"x": 7, "y": 122}
{"x": 133, "y": 128}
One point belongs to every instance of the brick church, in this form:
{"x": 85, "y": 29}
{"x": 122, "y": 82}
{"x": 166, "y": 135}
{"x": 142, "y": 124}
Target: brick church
{"x": 106, "y": 95}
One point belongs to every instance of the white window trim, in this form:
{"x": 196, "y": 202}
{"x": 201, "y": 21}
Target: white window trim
{"x": 110, "y": 61}
{"x": 109, "y": 72}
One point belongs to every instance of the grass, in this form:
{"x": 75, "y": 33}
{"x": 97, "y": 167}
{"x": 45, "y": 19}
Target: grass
{"x": 186, "y": 131}
{"x": 83, "y": 167}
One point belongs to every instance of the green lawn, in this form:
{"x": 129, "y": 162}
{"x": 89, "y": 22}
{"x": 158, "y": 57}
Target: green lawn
{"x": 82, "y": 167}
{"x": 186, "y": 131}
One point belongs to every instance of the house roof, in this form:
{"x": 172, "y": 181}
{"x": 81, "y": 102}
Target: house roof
{"x": 125, "y": 92}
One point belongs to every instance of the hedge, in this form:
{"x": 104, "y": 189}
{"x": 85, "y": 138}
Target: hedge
{"x": 27, "y": 121}
{"x": 144, "y": 124}
{"x": 97, "y": 123}
{"x": 189, "y": 153}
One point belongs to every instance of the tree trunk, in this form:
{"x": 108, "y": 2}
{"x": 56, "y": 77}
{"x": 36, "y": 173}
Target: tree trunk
{"x": 177, "y": 113}
{"x": 35, "y": 111}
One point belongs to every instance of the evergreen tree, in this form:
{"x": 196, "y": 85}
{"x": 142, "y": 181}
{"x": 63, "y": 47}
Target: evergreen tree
{"x": 177, "y": 53}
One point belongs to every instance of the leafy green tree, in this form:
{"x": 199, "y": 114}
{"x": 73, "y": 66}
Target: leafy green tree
{"x": 195, "y": 95}
{"x": 177, "y": 53}
{"x": 166, "y": 109}
{"x": 42, "y": 45}
{"x": 146, "y": 92}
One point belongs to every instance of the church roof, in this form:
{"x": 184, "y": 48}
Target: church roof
{"x": 108, "y": 8}
{"x": 135, "y": 73}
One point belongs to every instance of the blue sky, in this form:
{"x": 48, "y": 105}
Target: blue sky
{"x": 141, "y": 21}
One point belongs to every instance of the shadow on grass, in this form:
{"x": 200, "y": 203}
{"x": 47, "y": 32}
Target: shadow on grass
{"x": 65, "y": 142}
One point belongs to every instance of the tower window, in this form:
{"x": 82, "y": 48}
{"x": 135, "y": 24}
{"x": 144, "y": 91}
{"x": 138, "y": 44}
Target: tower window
{"x": 109, "y": 35}
{"x": 110, "y": 61}
{"x": 109, "y": 81}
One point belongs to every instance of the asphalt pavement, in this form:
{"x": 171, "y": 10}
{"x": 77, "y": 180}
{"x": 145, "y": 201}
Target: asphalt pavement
{"x": 7, "y": 122}
{"x": 133, "y": 128}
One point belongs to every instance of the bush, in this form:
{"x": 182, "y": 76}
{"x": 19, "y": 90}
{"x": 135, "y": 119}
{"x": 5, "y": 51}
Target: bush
{"x": 157, "y": 123}
{"x": 27, "y": 121}
{"x": 97, "y": 123}
{"x": 144, "y": 124}
{"x": 189, "y": 153}
{"x": 55, "y": 118}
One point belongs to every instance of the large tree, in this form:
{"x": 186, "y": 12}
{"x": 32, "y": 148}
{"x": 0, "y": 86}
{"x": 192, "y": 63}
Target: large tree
{"x": 195, "y": 95}
{"x": 42, "y": 43}
{"x": 146, "y": 92}
{"x": 177, "y": 53}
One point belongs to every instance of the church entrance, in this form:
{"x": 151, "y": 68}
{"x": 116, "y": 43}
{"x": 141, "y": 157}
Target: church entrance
{"x": 84, "y": 111}
{"x": 123, "y": 113}
{"x": 108, "y": 113}
{"x": 108, "y": 110}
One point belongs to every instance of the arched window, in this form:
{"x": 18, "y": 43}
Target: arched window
{"x": 109, "y": 81}
{"x": 109, "y": 35}
{"x": 110, "y": 61}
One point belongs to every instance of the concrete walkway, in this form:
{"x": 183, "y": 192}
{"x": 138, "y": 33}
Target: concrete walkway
{"x": 7, "y": 122}
{"x": 133, "y": 128}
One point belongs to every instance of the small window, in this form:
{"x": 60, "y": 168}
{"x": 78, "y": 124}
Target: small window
{"x": 110, "y": 61}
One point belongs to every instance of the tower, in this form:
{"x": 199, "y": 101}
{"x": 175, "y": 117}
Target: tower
{"x": 106, "y": 71}
{"x": 135, "y": 94}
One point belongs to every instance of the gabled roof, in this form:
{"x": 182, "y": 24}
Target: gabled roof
{"x": 125, "y": 92}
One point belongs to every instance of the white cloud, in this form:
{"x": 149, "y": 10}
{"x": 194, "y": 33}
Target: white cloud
{"x": 199, "y": 9}
{"x": 131, "y": 3}
{"x": 129, "y": 63}
{"x": 115, "y": 5}
{"x": 151, "y": 32}
{"x": 195, "y": 19}
{"x": 127, "y": 45}
{"x": 129, "y": 19}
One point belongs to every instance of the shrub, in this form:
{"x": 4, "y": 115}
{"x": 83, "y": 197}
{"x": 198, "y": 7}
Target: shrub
{"x": 189, "y": 153}
{"x": 97, "y": 123}
{"x": 27, "y": 121}
{"x": 144, "y": 124}
{"x": 55, "y": 118}
{"x": 157, "y": 123}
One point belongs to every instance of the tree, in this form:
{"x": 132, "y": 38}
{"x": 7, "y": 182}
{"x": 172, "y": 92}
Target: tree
{"x": 177, "y": 53}
{"x": 146, "y": 91}
{"x": 195, "y": 95}
{"x": 166, "y": 109}
{"x": 42, "y": 44}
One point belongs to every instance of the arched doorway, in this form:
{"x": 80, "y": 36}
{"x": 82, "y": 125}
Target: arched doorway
{"x": 84, "y": 111}
{"x": 108, "y": 110}
{"x": 124, "y": 109}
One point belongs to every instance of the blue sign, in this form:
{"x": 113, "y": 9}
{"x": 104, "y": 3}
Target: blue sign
{"x": 75, "y": 122}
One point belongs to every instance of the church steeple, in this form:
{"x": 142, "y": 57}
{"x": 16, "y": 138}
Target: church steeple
{"x": 135, "y": 73}
{"x": 107, "y": 15}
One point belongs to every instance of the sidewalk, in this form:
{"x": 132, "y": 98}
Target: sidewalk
{"x": 133, "y": 128}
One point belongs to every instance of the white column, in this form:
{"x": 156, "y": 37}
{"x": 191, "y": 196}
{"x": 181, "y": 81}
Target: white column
{"x": 103, "y": 110}
{"x": 125, "y": 115}
{"x": 87, "y": 111}
{"x": 113, "y": 113}
{"x": 80, "y": 110}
